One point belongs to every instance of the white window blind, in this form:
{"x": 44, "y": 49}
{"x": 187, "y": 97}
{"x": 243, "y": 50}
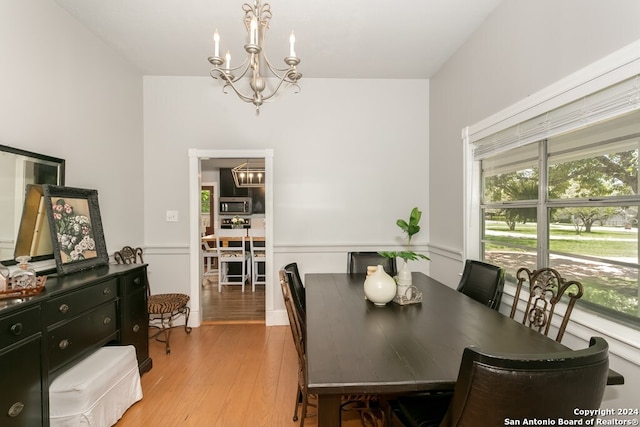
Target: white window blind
{"x": 615, "y": 100}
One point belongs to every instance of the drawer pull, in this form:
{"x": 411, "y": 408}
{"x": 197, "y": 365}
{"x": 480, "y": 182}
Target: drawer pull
{"x": 106, "y": 291}
{"x": 136, "y": 327}
{"x": 16, "y": 329}
{"x": 136, "y": 281}
{"x": 63, "y": 308}
{"x": 106, "y": 321}
{"x": 62, "y": 345}
{"x": 15, "y": 409}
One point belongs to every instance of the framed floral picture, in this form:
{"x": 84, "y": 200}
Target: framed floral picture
{"x": 76, "y": 228}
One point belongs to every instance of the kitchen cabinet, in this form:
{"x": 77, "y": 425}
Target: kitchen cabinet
{"x": 228, "y": 189}
{"x": 75, "y": 315}
{"x": 228, "y": 185}
{"x": 257, "y": 199}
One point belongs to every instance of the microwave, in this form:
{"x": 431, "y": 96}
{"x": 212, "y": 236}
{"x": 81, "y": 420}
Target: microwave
{"x": 235, "y": 206}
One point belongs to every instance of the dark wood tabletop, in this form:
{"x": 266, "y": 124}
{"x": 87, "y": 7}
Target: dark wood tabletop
{"x": 355, "y": 347}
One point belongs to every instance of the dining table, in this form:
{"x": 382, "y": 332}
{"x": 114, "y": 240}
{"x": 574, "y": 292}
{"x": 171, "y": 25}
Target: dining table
{"x": 355, "y": 347}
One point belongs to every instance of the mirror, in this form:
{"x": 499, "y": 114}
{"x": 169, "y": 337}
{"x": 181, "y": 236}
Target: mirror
{"x": 18, "y": 170}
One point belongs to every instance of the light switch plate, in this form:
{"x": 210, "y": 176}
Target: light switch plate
{"x": 172, "y": 216}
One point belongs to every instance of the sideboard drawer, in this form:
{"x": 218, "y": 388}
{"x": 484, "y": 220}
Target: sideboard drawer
{"x": 70, "y": 305}
{"x": 92, "y": 329}
{"x": 21, "y": 385}
{"x": 135, "y": 281}
{"x": 20, "y": 325}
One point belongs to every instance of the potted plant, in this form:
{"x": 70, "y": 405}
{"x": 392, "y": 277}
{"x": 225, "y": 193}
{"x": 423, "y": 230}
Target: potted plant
{"x": 237, "y": 222}
{"x": 412, "y": 227}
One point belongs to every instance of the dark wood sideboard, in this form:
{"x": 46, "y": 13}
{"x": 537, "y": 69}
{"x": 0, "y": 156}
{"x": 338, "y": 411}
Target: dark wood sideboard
{"x": 42, "y": 336}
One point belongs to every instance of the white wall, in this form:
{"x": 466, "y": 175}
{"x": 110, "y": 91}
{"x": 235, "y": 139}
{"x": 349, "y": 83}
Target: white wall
{"x": 350, "y": 157}
{"x": 521, "y": 48}
{"x": 65, "y": 94}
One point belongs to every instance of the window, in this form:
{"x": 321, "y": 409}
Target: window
{"x": 579, "y": 216}
{"x": 205, "y": 200}
{"x": 206, "y": 210}
{"x": 510, "y": 185}
{"x": 576, "y": 142}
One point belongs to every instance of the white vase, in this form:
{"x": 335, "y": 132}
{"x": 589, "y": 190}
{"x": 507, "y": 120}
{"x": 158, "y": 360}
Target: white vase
{"x": 379, "y": 287}
{"x": 404, "y": 279}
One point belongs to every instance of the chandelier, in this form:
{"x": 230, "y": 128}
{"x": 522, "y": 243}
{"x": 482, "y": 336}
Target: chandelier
{"x": 256, "y": 20}
{"x": 248, "y": 175}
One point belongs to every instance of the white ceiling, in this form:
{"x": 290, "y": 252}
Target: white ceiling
{"x": 403, "y": 39}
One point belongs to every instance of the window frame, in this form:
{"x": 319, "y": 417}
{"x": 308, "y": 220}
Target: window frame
{"x": 615, "y": 68}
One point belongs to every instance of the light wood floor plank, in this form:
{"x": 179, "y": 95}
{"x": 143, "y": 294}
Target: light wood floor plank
{"x": 266, "y": 384}
{"x": 230, "y": 375}
{"x": 231, "y": 304}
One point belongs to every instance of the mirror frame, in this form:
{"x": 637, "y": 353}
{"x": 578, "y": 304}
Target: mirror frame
{"x": 38, "y": 158}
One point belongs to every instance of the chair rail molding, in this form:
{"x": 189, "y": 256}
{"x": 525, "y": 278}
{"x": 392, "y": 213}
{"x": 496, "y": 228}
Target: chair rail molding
{"x": 155, "y": 249}
{"x": 447, "y": 252}
{"x": 342, "y": 247}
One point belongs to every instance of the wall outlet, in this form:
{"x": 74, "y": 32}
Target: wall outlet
{"x": 172, "y": 216}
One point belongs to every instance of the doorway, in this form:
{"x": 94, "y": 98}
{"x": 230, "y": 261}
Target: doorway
{"x": 231, "y": 304}
{"x": 228, "y": 303}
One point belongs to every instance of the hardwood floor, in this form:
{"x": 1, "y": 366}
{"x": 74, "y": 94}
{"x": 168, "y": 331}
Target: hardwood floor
{"x": 222, "y": 375}
{"x": 231, "y": 305}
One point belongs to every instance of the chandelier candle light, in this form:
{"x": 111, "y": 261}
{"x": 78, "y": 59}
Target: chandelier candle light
{"x": 256, "y": 19}
{"x": 246, "y": 175}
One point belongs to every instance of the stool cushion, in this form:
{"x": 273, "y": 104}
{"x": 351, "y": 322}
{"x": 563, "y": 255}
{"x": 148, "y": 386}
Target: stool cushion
{"x": 97, "y": 390}
{"x": 166, "y": 303}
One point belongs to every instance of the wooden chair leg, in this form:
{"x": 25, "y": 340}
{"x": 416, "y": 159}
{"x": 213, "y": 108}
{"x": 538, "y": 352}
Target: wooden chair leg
{"x": 305, "y": 401}
{"x": 298, "y": 398}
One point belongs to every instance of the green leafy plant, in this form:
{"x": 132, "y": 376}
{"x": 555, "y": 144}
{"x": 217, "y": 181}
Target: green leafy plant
{"x": 411, "y": 228}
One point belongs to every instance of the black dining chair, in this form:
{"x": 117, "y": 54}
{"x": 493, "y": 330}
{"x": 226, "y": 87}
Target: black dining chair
{"x": 483, "y": 282}
{"x": 297, "y": 289}
{"x": 357, "y": 262}
{"x": 296, "y": 326}
{"x": 365, "y": 405}
{"x": 492, "y": 388}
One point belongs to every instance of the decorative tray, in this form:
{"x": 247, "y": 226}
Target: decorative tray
{"x": 24, "y": 292}
{"x": 411, "y": 296}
